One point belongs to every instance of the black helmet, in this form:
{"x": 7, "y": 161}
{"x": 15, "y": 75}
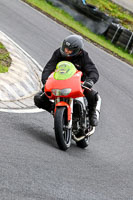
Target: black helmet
{"x": 74, "y": 43}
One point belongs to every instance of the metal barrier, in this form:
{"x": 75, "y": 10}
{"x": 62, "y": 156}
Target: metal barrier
{"x": 125, "y": 40}
{"x": 113, "y": 32}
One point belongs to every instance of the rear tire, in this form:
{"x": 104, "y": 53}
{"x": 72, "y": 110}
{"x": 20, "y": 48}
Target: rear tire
{"x": 62, "y": 133}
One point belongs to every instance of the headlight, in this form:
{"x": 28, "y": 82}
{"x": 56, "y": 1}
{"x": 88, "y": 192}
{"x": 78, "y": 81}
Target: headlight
{"x": 63, "y": 92}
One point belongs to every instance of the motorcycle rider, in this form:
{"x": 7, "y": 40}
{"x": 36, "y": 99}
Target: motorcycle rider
{"x": 72, "y": 50}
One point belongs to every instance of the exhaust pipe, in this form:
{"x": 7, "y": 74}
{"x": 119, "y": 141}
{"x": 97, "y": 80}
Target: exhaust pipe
{"x": 90, "y": 132}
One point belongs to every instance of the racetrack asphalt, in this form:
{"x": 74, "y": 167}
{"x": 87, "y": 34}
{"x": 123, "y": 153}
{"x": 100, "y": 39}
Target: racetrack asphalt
{"x": 127, "y": 4}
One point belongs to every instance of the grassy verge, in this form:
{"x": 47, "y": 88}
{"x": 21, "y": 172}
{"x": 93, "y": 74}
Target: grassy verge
{"x": 62, "y": 17}
{"x": 5, "y": 59}
{"x": 112, "y": 9}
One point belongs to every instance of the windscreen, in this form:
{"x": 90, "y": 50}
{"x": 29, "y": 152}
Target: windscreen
{"x": 64, "y": 70}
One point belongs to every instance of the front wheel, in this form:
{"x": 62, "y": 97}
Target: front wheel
{"x": 62, "y": 133}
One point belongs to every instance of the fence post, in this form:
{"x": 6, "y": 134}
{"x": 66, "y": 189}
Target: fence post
{"x": 129, "y": 41}
{"x": 115, "y": 34}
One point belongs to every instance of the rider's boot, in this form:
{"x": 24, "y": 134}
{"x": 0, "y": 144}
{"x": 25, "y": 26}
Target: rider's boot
{"x": 94, "y": 111}
{"x": 93, "y": 116}
{"x": 42, "y": 101}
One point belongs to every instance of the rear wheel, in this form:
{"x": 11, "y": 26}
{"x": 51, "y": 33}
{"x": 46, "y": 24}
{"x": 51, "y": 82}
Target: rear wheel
{"x": 62, "y": 133}
{"x": 83, "y": 143}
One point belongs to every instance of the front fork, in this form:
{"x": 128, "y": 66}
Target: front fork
{"x": 69, "y": 106}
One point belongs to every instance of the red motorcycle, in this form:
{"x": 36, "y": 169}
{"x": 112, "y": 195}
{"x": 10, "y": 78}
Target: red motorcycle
{"x": 71, "y": 118}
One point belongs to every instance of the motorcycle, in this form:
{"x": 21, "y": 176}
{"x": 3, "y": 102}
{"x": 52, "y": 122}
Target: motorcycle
{"x": 71, "y": 117}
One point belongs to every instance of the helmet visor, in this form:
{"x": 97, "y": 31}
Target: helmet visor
{"x": 69, "y": 51}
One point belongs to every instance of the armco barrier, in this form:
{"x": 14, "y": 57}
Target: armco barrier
{"x": 126, "y": 39}
{"x": 120, "y": 36}
{"x": 97, "y": 21}
{"x": 113, "y": 32}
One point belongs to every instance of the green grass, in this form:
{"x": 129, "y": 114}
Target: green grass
{"x": 5, "y": 59}
{"x": 67, "y": 20}
{"x": 3, "y": 69}
{"x": 112, "y": 9}
{"x": 4, "y": 56}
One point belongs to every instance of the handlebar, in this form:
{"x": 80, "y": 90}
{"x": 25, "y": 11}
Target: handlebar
{"x": 85, "y": 87}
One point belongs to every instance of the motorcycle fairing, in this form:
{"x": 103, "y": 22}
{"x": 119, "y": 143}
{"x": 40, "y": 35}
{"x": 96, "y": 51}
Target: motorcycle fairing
{"x": 74, "y": 83}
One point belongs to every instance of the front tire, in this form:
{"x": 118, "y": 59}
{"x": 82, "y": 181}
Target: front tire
{"x": 62, "y": 133}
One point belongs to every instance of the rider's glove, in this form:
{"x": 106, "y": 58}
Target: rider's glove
{"x": 88, "y": 84}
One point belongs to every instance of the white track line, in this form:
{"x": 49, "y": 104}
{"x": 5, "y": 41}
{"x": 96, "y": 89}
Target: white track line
{"x": 32, "y": 110}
